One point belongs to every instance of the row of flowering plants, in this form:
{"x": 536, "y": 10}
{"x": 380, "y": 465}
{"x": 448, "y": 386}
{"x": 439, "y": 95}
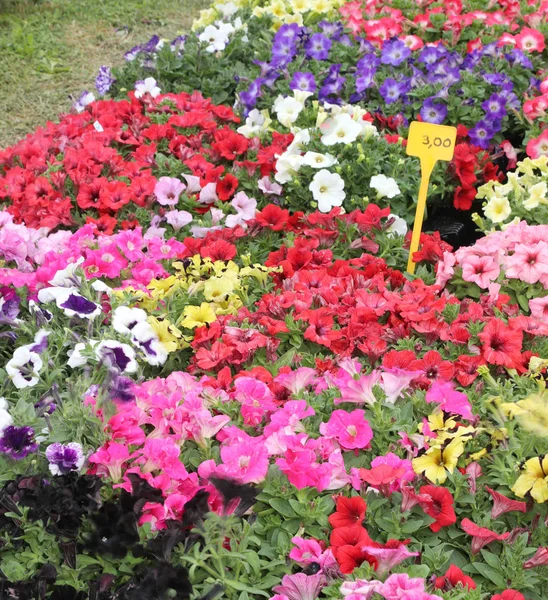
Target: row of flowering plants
{"x": 217, "y": 379}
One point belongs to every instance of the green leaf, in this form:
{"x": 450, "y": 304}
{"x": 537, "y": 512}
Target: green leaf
{"x": 412, "y": 526}
{"x": 491, "y": 574}
{"x": 241, "y": 587}
{"x": 13, "y": 570}
{"x": 282, "y": 506}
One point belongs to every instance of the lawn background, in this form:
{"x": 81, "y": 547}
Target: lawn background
{"x": 50, "y": 49}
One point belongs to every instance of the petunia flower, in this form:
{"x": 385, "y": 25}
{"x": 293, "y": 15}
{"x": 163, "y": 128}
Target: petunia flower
{"x": 18, "y": 442}
{"x": 24, "y": 367}
{"x": 539, "y": 559}
{"x": 440, "y": 506}
{"x": 453, "y": 577}
{"x": 436, "y": 461}
{"x": 502, "y": 504}
{"x": 349, "y": 512}
{"x": 481, "y": 536}
{"x": 388, "y": 558}
{"x": 300, "y": 586}
{"x": 533, "y": 479}
{"x": 64, "y": 458}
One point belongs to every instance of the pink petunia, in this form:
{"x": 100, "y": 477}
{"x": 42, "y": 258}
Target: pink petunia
{"x": 351, "y": 430}
{"x": 481, "y": 270}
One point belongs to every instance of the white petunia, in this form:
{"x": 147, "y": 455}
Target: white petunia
{"x": 216, "y": 38}
{"x": 255, "y": 123}
{"x": 341, "y": 129}
{"x": 227, "y": 9}
{"x": 287, "y": 110}
{"x": 67, "y": 277}
{"x": 386, "y": 186}
{"x": 77, "y": 357}
{"x": 148, "y": 86}
{"x": 398, "y": 227}
{"x": 319, "y": 161}
{"x": 124, "y": 318}
{"x": 327, "y": 189}
{"x": 300, "y": 139}
{"x": 24, "y": 367}
{"x": 287, "y": 167}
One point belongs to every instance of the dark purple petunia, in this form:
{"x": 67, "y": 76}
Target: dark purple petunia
{"x": 433, "y": 112}
{"x": 121, "y": 389}
{"x": 133, "y": 53}
{"x": 117, "y": 356}
{"x": 317, "y": 47}
{"x": 9, "y": 306}
{"x": 303, "y": 81}
{"x": 18, "y": 442}
{"x": 394, "y": 52}
{"x": 79, "y": 305}
{"x": 152, "y": 44}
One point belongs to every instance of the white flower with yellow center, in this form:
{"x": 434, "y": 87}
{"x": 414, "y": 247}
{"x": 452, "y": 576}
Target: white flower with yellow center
{"x": 341, "y": 129}
{"x": 327, "y": 189}
{"x": 287, "y": 167}
{"x": 386, "y": 186}
{"x": 319, "y": 161}
{"x": 287, "y": 110}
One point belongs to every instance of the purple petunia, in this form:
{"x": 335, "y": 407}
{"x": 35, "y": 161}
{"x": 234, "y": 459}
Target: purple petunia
{"x": 433, "y": 112}
{"x": 104, "y": 80}
{"x": 18, "y": 442}
{"x": 395, "y": 52}
{"x": 495, "y": 106}
{"x": 481, "y": 134}
{"x": 64, "y": 458}
{"x": 392, "y": 90}
{"x": 318, "y": 46}
{"x": 303, "y": 81}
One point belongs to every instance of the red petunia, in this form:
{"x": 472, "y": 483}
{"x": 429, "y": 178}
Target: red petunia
{"x": 433, "y": 366}
{"x": 452, "y": 578}
{"x": 441, "y": 507}
{"x": 219, "y": 250}
{"x": 501, "y": 344}
{"x": 349, "y": 512}
{"x": 273, "y": 217}
{"x": 226, "y": 187}
{"x": 509, "y": 595}
{"x": 502, "y": 504}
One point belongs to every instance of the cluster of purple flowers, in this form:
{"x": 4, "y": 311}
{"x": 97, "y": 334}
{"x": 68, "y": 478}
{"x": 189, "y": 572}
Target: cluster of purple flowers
{"x": 396, "y": 73}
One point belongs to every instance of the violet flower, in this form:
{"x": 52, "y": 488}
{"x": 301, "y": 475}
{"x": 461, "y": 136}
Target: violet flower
{"x": 104, "y": 80}
{"x": 64, "y": 458}
{"x": 18, "y": 442}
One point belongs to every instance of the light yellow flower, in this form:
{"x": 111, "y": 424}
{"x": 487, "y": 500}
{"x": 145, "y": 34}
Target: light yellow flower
{"x": 277, "y": 9}
{"x": 321, "y": 6}
{"x": 217, "y": 288}
{"x": 300, "y": 6}
{"x": 497, "y": 209}
{"x": 537, "y": 195}
{"x": 533, "y": 479}
{"x": 198, "y": 316}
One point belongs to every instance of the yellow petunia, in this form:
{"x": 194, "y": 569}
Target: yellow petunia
{"x": 497, "y": 209}
{"x": 216, "y": 289}
{"x": 533, "y": 479}
{"x": 198, "y": 316}
{"x": 167, "y": 333}
{"x": 436, "y": 462}
{"x": 537, "y": 195}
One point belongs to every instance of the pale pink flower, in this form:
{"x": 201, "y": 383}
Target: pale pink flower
{"x": 268, "y": 187}
{"x": 539, "y": 308}
{"x": 528, "y": 263}
{"x": 358, "y": 391}
{"x": 445, "y": 268}
{"x": 192, "y": 183}
{"x": 359, "y": 588}
{"x": 244, "y": 206}
{"x": 339, "y": 477}
{"x": 168, "y": 190}
{"x": 178, "y": 218}
{"x": 351, "y": 430}
{"x": 388, "y": 558}
{"x": 395, "y": 381}
{"x": 300, "y": 586}
{"x": 208, "y": 194}
{"x": 296, "y": 380}
{"x": 481, "y": 270}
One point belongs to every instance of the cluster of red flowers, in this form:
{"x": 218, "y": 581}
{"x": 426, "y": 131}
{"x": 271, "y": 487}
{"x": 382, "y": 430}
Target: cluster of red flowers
{"x": 472, "y": 167}
{"x": 359, "y": 307}
{"x": 92, "y": 165}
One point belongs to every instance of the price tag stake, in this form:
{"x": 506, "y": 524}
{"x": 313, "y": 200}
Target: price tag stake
{"x": 429, "y": 143}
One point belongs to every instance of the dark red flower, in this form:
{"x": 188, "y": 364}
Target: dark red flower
{"x": 226, "y": 187}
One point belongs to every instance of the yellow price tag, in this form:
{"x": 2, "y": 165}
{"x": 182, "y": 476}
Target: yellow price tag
{"x": 430, "y": 143}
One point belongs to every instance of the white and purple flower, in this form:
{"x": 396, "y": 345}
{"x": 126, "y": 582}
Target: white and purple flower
{"x": 64, "y": 458}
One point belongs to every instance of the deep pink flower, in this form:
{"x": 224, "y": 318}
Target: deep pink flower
{"x": 351, "y": 430}
{"x": 502, "y": 504}
{"x": 481, "y": 536}
{"x": 449, "y": 399}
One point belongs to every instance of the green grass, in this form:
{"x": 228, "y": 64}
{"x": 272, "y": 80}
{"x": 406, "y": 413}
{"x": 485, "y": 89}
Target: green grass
{"x": 52, "y": 49}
